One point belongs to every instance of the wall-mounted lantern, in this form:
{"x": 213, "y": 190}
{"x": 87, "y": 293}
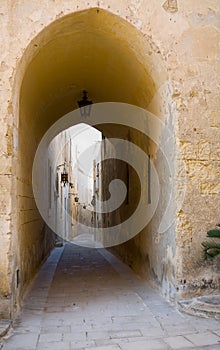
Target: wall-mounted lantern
{"x": 85, "y": 105}
{"x": 64, "y": 177}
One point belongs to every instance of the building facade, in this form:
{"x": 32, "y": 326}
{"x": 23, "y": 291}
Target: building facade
{"x": 162, "y": 56}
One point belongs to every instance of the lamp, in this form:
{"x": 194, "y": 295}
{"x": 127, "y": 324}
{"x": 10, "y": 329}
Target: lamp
{"x": 64, "y": 177}
{"x": 85, "y": 105}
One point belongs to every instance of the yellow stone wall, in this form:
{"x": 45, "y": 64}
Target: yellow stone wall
{"x": 172, "y": 53}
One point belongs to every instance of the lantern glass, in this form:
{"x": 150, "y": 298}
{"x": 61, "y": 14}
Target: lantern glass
{"x": 85, "y": 105}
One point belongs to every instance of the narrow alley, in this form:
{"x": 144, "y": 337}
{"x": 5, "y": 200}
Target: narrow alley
{"x": 85, "y": 298}
{"x": 110, "y": 133}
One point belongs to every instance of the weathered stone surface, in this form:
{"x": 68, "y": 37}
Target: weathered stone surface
{"x": 170, "y": 6}
{"x": 172, "y": 58}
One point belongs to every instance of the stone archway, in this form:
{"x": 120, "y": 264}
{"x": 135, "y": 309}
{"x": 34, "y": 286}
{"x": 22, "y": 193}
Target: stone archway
{"x": 103, "y": 53}
{"x": 185, "y": 94}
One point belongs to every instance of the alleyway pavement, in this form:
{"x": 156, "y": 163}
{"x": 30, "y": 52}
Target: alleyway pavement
{"x": 87, "y": 299}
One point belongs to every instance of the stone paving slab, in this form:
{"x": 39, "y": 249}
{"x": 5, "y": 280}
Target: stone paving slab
{"x": 89, "y": 300}
{"x": 201, "y": 339}
{"x": 107, "y": 347}
{"x": 23, "y": 341}
{"x": 54, "y": 346}
{"x": 178, "y": 342}
{"x": 145, "y": 344}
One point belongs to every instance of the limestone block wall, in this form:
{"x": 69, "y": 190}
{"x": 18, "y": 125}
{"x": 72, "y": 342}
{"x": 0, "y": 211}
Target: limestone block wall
{"x": 184, "y": 36}
{"x": 196, "y": 93}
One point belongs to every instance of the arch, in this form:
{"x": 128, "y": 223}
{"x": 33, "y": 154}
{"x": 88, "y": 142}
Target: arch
{"x": 77, "y": 43}
{"x": 91, "y": 49}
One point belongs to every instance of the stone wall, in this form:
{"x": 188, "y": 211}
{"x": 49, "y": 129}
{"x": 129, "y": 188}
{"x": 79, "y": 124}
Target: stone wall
{"x": 179, "y": 47}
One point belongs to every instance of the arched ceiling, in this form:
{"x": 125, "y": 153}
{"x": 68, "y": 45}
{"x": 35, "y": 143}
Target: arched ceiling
{"x": 93, "y": 50}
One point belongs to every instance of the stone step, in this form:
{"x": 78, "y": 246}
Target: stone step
{"x": 205, "y": 306}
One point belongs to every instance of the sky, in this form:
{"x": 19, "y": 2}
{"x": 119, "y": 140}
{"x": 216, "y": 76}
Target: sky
{"x": 86, "y": 143}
